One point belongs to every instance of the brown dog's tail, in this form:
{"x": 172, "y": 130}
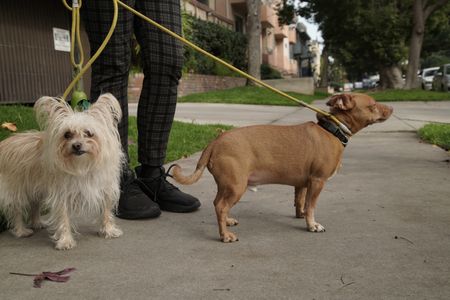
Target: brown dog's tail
{"x": 177, "y": 173}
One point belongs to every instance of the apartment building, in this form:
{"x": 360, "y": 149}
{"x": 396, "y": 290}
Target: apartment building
{"x": 285, "y": 48}
{"x": 228, "y": 13}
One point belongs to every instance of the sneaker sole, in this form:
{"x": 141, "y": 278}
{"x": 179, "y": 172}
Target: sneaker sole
{"x": 136, "y": 215}
{"x": 179, "y": 208}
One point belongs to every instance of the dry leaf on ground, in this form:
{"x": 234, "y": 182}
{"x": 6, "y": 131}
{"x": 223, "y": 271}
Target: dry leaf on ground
{"x": 10, "y": 126}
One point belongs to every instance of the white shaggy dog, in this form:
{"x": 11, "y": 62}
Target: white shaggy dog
{"x": 71, "y": 167}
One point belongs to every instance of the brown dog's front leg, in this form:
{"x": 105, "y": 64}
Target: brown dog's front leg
{"x": 300, "y": 195}
{"x": 314, "y": 188}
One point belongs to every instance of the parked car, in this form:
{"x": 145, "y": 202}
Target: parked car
{"x": 426, "y": 77}
{"x": 441, "y": 80}
{"x": 371, "y": 82}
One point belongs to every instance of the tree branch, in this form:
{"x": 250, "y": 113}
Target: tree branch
{"x": 432, "y": 7}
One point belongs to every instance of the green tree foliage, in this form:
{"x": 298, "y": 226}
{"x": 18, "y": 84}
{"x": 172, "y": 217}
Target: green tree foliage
{"x": 436, "y": 44}
{"x": 369, "y": 36}
{"x": 364, "y": 36}
{"x": 218, "y": 40}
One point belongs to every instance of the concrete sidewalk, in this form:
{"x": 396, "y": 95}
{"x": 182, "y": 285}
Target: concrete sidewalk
{"x": 408, "y": 115}
{"x": 386, "y": 214}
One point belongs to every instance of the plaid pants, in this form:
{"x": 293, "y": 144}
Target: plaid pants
{"x": 162, "y": 59}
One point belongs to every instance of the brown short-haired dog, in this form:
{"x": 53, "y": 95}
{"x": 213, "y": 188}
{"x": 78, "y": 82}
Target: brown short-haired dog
{"x": 304, "y": 156}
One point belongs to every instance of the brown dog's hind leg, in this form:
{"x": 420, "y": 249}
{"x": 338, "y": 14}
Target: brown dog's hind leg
{"x": 224, "y": 201}
{"x": 315, "y": 186}
{"x": 300, "y": 195}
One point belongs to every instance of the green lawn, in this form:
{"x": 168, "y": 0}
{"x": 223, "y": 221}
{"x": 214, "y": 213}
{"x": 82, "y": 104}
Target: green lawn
{"x": 411, "y": 95}
{"x": 185, "y": 139}
{"x": 262, "y": 96}
{"x": 21, "y": 115}
{"x": 250, "y": 95}
{"x": 437, "y": 134}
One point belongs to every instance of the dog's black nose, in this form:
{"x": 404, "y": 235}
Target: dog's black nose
{"x": 76, "y": 146}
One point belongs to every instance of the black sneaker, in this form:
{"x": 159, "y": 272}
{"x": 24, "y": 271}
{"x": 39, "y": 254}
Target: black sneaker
{"x": 168, "y": 196}
{"x": 133, "y": 203}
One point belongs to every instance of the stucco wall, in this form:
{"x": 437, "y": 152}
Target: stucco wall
{"x": 303, "y": 85}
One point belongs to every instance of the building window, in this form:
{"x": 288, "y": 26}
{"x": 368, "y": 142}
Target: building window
{"x": 239, "y": 24}
{"x": 206, "y": 2}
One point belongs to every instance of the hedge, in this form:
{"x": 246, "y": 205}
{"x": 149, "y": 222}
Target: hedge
{"x": 224, "y": 43}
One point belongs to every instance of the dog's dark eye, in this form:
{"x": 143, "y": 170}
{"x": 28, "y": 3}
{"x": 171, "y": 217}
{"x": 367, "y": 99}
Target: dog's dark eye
{"x": 68, "y": 135}
{"x": 88, "y": 133}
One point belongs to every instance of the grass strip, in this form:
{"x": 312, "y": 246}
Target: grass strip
{"x": 250, "y": 95}
{"x": 408, "y": 95}
{"x": 437, "y": 134}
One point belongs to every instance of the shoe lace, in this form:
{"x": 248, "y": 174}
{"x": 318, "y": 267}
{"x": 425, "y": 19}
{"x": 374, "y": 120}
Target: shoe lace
{"x": 162, "y": 179}
{"x": 169, "y": 185}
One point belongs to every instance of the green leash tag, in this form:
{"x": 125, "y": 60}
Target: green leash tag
{"x": 79, "y": 101}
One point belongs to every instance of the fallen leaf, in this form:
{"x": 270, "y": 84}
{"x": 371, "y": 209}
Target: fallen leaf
{"x": 10, "y": 126}
{"x": 51, "y": 276}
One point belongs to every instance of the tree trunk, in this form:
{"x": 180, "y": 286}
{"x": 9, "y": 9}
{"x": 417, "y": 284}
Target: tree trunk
{"x": 421, "y": 11}
{"x": 391, "y": 77}
{"x": 415, "y": 45}
{"x": 254, "y": 38}
{"x": 324, "y": 68}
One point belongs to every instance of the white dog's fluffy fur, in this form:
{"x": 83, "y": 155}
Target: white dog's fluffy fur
{"x": 71, "y": 167}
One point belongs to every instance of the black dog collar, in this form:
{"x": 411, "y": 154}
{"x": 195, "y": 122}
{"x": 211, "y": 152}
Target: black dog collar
{"x": 334, "y": 130}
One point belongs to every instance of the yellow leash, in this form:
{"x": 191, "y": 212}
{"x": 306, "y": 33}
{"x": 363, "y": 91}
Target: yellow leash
{"x": 100, "y": 49}
{"x": 195, "y": 47}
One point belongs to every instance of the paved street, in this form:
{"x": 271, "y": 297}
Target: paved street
{"x": 386, "y": 213}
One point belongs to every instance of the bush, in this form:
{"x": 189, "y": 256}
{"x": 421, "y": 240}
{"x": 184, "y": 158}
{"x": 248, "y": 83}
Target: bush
{"x": 221, "y": 42}
{"x": 336, "y": 85}
{"x": 267, "y": 72}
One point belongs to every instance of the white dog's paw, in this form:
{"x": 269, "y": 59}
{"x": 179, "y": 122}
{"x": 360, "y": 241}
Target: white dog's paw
{"x": 316, "y": 227}
{"x": 38, "y": 225}
{"x": 22, "y": 232}
{"x": 65, "y": 243}
{"x": 111, "y": 232}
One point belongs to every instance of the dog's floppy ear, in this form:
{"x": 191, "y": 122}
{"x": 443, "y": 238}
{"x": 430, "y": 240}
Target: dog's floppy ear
{"x": 49, "y": 109}
{"x": 107, "y": 107}
{"x": 342, "y": 102}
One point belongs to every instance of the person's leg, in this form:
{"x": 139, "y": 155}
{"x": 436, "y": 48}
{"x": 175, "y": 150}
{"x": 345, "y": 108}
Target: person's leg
{"x": 110, "y": 70}
{"x": 162, "y": 58}
{"x": 110, "y": 74}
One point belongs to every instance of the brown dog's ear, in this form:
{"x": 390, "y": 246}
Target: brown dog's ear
{"x": 342, "y": 102}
